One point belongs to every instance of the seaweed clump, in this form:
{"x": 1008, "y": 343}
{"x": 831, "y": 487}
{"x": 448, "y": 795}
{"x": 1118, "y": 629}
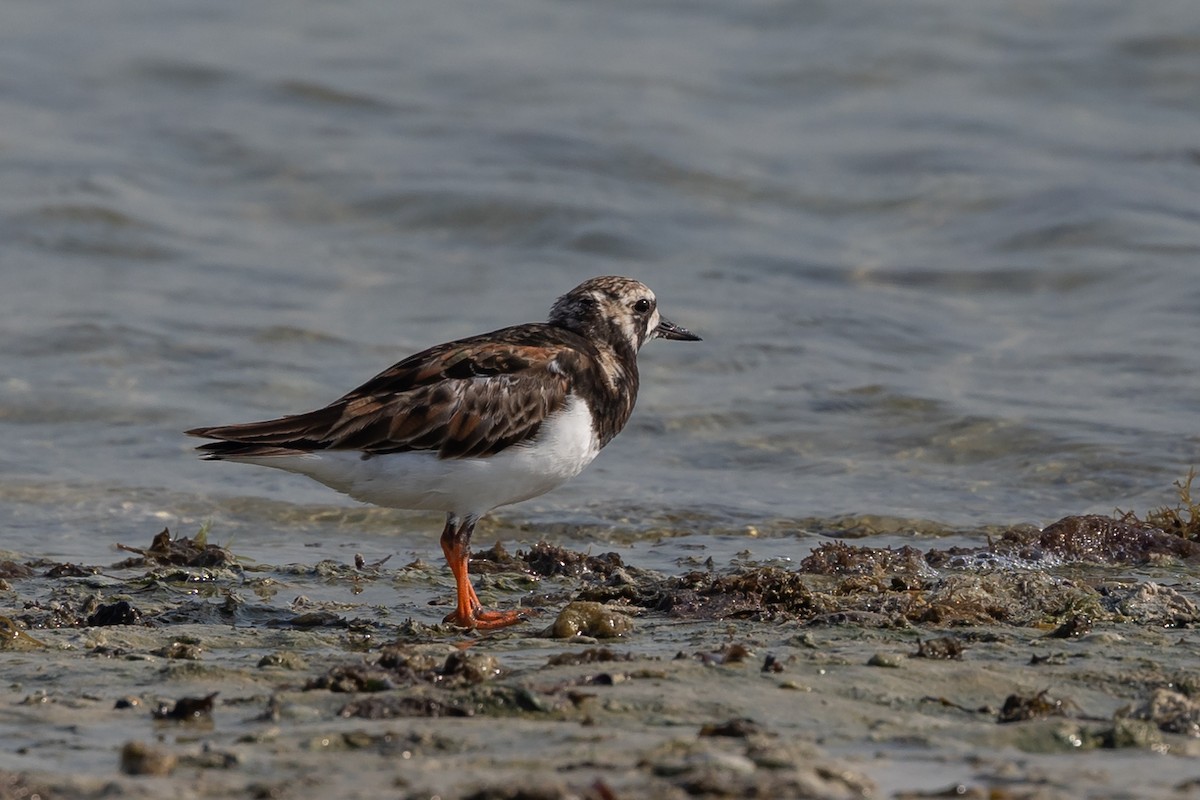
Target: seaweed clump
{"x": 1019, "y": 708}
{"x": 885, "y": 588}
{"x": 1171, "y": 519}
{"x": 762, "y": 593}
{"x": 839, "y": 558}
{"x": 545, "y": 559}
{"x": 398, "y": 666}
{"x": 1096, "y": 538}
{"x": 181, "y": 551}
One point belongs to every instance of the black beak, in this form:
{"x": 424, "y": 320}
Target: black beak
{"x": 669, "y": 330}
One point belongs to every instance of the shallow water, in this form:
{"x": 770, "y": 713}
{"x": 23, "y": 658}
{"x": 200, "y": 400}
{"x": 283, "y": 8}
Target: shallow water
{"x": 941, "y": 255}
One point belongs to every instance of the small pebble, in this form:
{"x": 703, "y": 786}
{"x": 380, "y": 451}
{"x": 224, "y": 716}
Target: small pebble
{"x": 139, "y": 758}
{"x": 589, "y": 619}
{"x": 889, "y": 660}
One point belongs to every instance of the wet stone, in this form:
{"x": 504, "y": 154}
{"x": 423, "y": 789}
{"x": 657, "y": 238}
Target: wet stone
{"x": 1019, "y": 708}
{"x": 1053, "y": 659}
{"x": 211, "y": 759}
{"x": 421, "y": 664}
{"x": 886, "y": 660}
{"x": 187, "y": 651}
{"x": 118, "y": 613}
{"x": 1076, "y": 625}
{"x": 1152, "y": 604}
{"x": 584, "y": 618}
{"x": 943, "y": 647}
{"x": 70, "y": 571}
{"x": 138, "y": 758}
{"x": 497, "y": 700}
{"x": 1171, "y": 712}
{"x": 283, "y": 660}
{"x": 1132, "y": 733}
{"x": 469, "y": 668}
{"x": 602, "y": 679}
{"x": 353, "y": 678}
{"x": 186, "y": 709}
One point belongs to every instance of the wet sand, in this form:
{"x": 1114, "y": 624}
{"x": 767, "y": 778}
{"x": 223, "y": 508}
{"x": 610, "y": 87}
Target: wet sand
{"x": 1044, "y": 665}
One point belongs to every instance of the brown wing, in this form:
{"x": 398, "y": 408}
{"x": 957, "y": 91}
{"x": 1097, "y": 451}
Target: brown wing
{"x": 473, "y": 397}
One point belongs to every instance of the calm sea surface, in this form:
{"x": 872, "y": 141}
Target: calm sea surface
{"x": 944, "y": 255}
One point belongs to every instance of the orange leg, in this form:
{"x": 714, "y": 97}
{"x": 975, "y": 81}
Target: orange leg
{"x": 469, "y": 613}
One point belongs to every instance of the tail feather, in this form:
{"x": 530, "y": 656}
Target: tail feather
{"x": 286, "y": 436}
{"x": 219, "y": 451}
{"x": 284, "y": 430}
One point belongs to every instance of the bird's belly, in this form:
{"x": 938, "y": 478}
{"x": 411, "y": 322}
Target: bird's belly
{"x": 420, "y": 480}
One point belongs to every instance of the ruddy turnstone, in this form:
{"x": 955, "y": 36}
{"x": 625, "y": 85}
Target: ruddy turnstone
{"x": 473, "y": 424}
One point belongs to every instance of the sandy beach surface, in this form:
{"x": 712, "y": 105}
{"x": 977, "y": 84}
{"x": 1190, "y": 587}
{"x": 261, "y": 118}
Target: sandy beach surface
{"x": 1053, "y": 664}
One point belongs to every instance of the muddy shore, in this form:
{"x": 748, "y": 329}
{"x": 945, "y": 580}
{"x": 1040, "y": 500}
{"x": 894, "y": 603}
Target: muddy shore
{"x": 1044, "y": 664}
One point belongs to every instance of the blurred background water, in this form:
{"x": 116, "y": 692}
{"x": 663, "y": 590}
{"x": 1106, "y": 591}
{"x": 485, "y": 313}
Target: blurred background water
{"x": 942, "y": 254}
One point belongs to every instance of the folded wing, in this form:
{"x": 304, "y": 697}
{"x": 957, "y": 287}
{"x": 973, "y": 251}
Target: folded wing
{"x": 469, "y": 398}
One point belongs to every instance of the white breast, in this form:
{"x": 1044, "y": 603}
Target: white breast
{"x": 565, "y": 445}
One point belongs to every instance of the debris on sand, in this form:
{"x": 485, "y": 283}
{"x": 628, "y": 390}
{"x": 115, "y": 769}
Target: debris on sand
{"x": 1019, "y": 708}
{"x": 178, "y": 552}
{"x": 1171, "y": 712}
{"x": 186, "y": 709}
{"x": 121, "y": 612}
{"x": 731, "y": 683}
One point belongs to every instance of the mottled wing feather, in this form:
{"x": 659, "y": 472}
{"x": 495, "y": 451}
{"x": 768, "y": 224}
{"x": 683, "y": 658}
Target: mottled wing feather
{"x": 474, "y": 397}
{"x": 509, "y": 351}
{"x": 458, "y": 417}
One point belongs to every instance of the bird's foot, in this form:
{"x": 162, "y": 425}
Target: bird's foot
{"x": 482, "y": 620}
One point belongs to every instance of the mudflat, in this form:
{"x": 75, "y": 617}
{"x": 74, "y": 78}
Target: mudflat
{"x": 1046, "y": 664}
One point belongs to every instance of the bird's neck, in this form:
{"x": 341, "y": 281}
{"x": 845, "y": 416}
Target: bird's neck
{"x": 615, "y": 390}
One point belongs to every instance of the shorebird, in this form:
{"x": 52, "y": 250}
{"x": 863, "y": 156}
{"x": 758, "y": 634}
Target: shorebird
{"x": 474, "y": 424}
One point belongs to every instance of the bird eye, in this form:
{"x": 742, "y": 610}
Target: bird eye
{"x": 642, "y": 306}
